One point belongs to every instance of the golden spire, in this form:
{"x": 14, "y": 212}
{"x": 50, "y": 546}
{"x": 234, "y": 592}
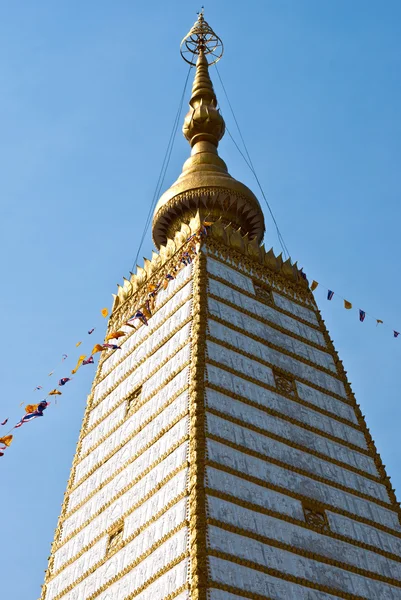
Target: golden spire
{"x": 205, "y": 184}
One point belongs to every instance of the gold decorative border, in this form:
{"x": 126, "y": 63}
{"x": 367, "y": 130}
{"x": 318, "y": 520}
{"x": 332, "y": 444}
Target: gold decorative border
{"x": 197, "y": 442}
{"x": 76, "y": 458}
{"x": 119, "y": 546}
{"x": 270, "y": 365}
{"x": 118, "y": 425}
{"x": 280, "y": 349}
{"x": 294, "y": 521}
{"x": 251, "y": 268}
{"x": 162, "y": 342}
{"x": 63, "y": 541}
{"x": 134, "y": 563}
{"x": 309, "y": 474}
{"x": 141, "y": 403}
{"x": 263, "y": 320}
{"x": 151, "y": 332}
{"x": 305, "y": 553}
{"x": 302, "y": 498}
{"x": 360, "y": 417}
{"x": 285, "y": 576}
{"x": 151, "y": 493}
{"x": 285, "y": 417}
{"x": 291, "y": 443}
{"x": 133, "y": 434}
{"x": 275, "y": 307}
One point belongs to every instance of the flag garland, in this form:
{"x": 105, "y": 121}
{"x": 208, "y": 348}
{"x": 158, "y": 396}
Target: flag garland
{"x": 362, "y": 314}
{"x": 141, "y": 316}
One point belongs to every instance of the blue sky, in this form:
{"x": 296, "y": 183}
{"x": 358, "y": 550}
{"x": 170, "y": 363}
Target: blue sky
{"x": 89, "y": 94}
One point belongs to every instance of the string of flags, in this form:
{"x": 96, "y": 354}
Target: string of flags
{"x": 348, "y": 306}
{"x": 141, "y": 316}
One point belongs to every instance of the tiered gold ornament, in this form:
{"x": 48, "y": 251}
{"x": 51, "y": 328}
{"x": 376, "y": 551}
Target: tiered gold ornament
{"x": 205, "y": 183}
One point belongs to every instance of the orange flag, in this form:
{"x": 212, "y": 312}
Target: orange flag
{"x": 7, "y": 439}
{"x": 54, "y": 392}
{"x": 79, "y": 363}
{"x": 104, "y": 312}
{"x": 347, "y": 304}
{"x": 78, "y": 344}
{"x": 379, "y": 322}
{"x": 115, "y": 336}
{"x": 314, "y": 285}
{"x": 30, "y": 408}
{"x": 97, "y": 348}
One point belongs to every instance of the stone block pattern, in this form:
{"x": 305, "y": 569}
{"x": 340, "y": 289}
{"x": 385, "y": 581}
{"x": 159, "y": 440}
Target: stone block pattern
{"x": 296, "y": 506}
{"x": 125, "y": 529}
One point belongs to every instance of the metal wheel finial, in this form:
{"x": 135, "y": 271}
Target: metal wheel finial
{"x": 201, "y": 37}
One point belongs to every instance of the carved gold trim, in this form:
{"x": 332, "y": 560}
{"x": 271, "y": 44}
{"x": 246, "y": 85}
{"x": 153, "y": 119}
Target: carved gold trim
{"x": 63, "y": 541}
{"x": 289, "y": 519}
{"x": 360, "y": 417}
{"x": 162, "y": 342}
{"x": 309, "y": 474}
{"x": 284, "y": 417}
{"x": 298, "y": 400}
{"x": 141, "y": 403}
{"x": 226, "y": 245}
{"x": 122, "y": 421}
{"x": 281, "y": 575}
{"x": 133, "y": 434}
{"x": 292, "y": 444}
{"x": 270, "y": 324}
{"x": 197, "y": 441}
{"x": 280, "y": 349}
{"x": 76, "y": 458}
{"x": 305, "y": 553}
{"x": 120, "y": 574}
{"x": 118, "y": 547}
{"x": 236, "y": 591}
{"x": 175, "y": 309}
{"x": 134, "y": 292}
{"x": 254, "y": 271}
{"x": 302, "y": 498}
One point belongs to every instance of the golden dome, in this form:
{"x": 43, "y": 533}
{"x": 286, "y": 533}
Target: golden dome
{"x": 205, "y": 183}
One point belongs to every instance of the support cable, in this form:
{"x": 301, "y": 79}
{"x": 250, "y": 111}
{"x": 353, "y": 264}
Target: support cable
{"x": 163, "y": 170}
{"x": 249, "y": 162}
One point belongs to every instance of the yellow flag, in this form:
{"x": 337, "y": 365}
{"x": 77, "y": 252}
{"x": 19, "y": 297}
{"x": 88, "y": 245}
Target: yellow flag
{"x": 115, "y": 335}
{"x": 7, "y": 439}
{"x": 30, "y": 408}
{"x": 78, "y": 344}
{"x": 97, "y": 348}
{"x": 104, "y": 312}
{"x": 314, "y": 285}
{"x": 79, "y": 363}
{"x": 379, "y": 321}
{"x": 55, "y": 392}
{"x": 347, "y": 304}
{"x": 51, "y": 373}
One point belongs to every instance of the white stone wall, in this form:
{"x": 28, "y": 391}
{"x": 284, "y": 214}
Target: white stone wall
{"x": 270, "y": 453}
{"x": 133, "y": 467}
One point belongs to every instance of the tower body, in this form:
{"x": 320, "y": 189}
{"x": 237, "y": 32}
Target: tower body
{"x": 222, "y": 454}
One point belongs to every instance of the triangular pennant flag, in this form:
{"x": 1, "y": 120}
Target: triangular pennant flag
{"x": 330, "y": 294}
{"x": 7, "y": 439}
{"x": 54, "y": 392}
{"x": 396, "y": 333}
{"x": 314, "y": 285}
{"x": 362, "y": 315}
{"x": 79, "y": 363}
{"x": 97, "y": 348}
{"x": 347, "y": 304}
{"x": 379, "y": 322}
